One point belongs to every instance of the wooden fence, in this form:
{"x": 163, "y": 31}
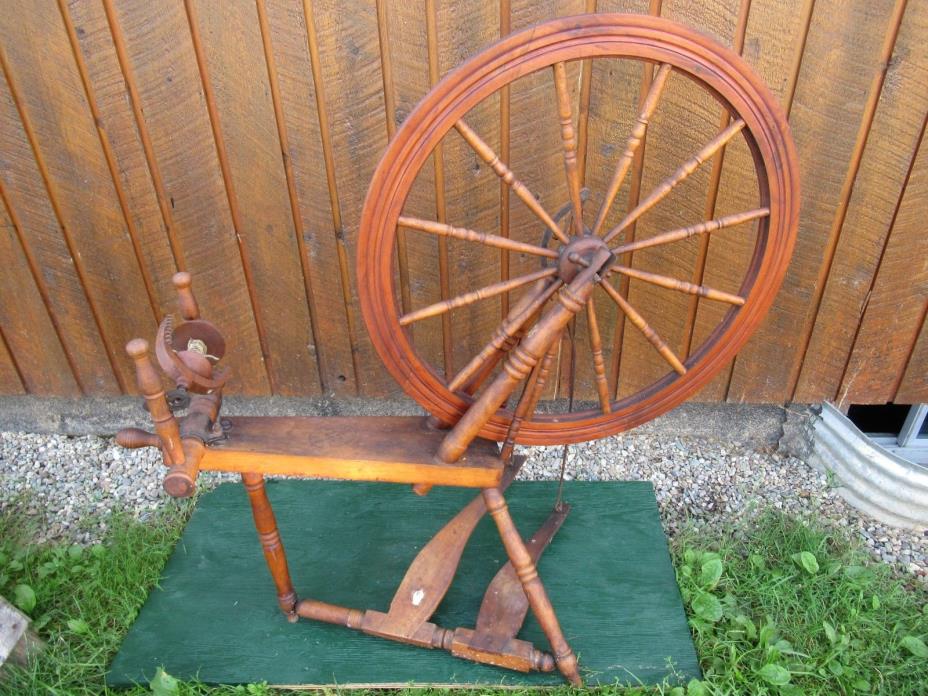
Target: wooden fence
{"x": 138, "y": 137}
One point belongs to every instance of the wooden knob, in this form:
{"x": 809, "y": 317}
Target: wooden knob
{"x": 137, "y": 348}
{"x": 542, "y": 661}
{"x": 181, "y": 479}
{"x": 180, "y": 482}
{"x": 186, "y": 302}
{"x": 133, "y": 438}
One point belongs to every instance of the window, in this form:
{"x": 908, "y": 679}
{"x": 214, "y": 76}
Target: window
{"x": 903, "y": 430}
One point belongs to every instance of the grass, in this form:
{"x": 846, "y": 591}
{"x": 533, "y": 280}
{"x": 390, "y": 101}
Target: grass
{"x": 778, "y": 608}
{"x": 789, "y": 608}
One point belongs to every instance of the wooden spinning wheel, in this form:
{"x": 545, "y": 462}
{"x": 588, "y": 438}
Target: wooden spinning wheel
{"x": 673, "y": 50}
{"x": 581, "y": 252}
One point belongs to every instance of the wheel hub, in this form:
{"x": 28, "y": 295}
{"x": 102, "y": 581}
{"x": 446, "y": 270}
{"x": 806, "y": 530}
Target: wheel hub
{"x": 577, "y": 255}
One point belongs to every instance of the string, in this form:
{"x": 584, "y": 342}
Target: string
{"x": 559, "y": 503}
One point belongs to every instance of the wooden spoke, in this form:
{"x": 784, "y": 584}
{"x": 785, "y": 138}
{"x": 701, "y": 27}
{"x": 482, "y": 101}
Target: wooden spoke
{"x": 486, "y": 153}
{"x": 493, "y": 240}
{"x": 504, "y": 333}
{"x": 685, "y": 169}
{"x": 599, "y": 365}
{"x": 681, "y": 285}
{"x": 534, "y": 388}
{"x": 685, "y": 232}
{"x": 569, "y": 138}
{"x": 475, "y": 296}
{"x": 474, "y": 382}
{"x": 643, "y": 327}
{"x": 634, "y": 140}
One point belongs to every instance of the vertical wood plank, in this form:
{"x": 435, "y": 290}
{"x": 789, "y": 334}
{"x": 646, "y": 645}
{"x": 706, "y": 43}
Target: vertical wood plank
{"x": 441, "y": 212}
{"x": 27, "y": 329}
{"x": 634, "y": 196}
{"x": 409, "y": 58}
{"x": 298, "y": 100}
{"x": 163, "y": 65}
{"x": 537, "y": 156}
{"x": 614, "y": 88}
{"x": 913, "y": 388}
{"x": 120, "y": 129}
{"x": 712, "y": 195}
{"x": 41, "y": 73}
{"x": 108, "y": 155}
{"x": 893, "y": 139}
{"x": 247, "y": 143}
{"x": 26, "y": 203}
{"x": 11, "y": 381}
{"x": 354, "y": 91}
{"x": 389, "y": 102}
{"x": 774, "y": 40}
{"x": 831, "y": 96}
{"x": 895, "y": 309}
{"x": 687, "y": 117}
{"x": 505, "y": 128}
{"x": 471, "y": 187}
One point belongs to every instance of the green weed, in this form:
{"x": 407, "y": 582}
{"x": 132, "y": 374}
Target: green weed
{"x": 791, "y": 609}
{"x": 778, "y": 608}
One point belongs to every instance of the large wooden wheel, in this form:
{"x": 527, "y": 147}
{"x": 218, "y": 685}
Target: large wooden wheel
{"x": 571, "y": 239}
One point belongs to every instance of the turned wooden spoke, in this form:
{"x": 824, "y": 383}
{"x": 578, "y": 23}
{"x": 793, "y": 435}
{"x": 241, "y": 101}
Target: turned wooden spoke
{"x": 599, "y": 365}
{"x": 445, "y": 230}
{"x": 680, "y": 285}
{"x": 644, "y": 327}
{"x": 475, "y": 296}
{"x": 634, "y": 140}
{"x": 503, "y": 335}
{"x": 486, "y": 153}
{"x": 685, "y": 169}
{"x": 684, "y": 232}
{"x": 569, "y": 139}
{"x": 534, "y": 388}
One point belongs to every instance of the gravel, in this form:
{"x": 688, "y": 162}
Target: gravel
{"x": 69, "y": 486}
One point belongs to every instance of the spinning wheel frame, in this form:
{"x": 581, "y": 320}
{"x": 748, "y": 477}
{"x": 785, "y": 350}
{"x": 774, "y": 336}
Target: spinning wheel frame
{"x": 406, "y": 449}
{"x": 643, "y": 38}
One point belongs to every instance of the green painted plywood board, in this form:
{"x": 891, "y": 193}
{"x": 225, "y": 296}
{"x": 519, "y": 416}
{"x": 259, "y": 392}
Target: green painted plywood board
{"x": 215, "y": 615}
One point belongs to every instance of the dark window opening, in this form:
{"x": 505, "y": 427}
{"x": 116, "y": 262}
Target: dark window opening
{"x": 882, "y": 418}
{"x": 901, "y": 429}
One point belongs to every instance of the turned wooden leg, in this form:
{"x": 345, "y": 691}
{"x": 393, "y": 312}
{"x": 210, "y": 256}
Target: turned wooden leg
{"x": 531, "y": 583}
{"x": 274, "y": 554}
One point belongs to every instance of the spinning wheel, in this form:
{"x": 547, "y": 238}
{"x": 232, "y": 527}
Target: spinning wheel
{"x": 479, "y": 403}
{"x": 674, "y": 52}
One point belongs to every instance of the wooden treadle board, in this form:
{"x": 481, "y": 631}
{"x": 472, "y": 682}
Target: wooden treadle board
{"x": 608, "y": 573}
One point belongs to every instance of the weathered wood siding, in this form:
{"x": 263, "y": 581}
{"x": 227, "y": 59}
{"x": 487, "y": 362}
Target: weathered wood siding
{"x": 138, "y": 138}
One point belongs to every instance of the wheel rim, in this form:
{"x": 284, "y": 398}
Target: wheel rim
{"x": 585, "y": 37}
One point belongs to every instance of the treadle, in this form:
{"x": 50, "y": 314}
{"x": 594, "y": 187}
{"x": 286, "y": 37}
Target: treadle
{"x": 391, "y": 449}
